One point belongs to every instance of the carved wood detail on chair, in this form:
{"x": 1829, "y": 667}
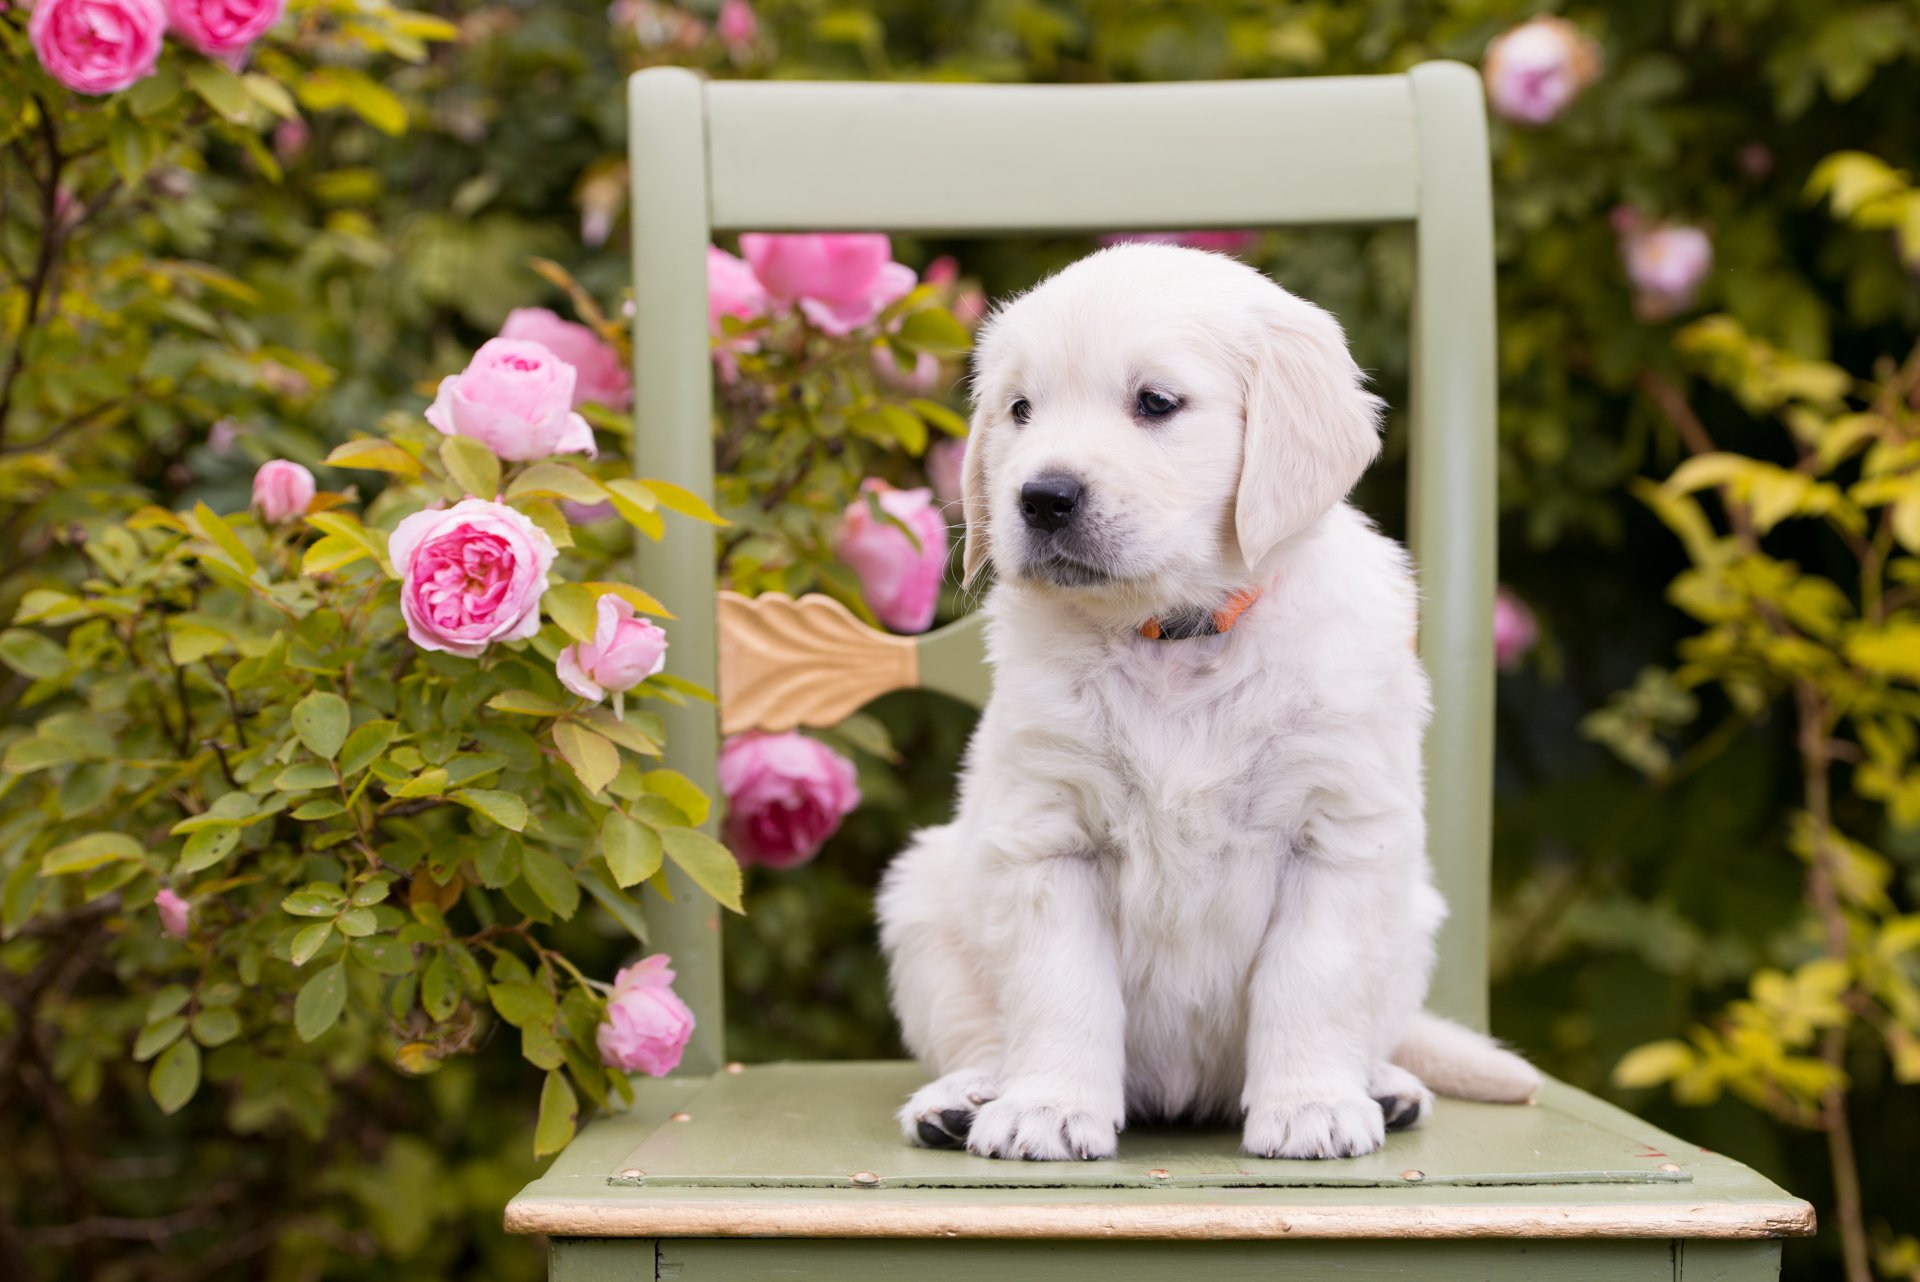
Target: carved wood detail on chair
{"x": 810, "y": 662}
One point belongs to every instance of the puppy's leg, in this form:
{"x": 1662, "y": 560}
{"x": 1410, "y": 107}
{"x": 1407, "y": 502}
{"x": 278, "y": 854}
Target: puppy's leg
{"x": 1062, "y": 1091}
{"x": 1313, "y": 1036}
{"x": 939, "y": 994}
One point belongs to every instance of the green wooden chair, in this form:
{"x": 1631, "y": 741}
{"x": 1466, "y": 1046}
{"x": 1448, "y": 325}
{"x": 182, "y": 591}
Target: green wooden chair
{"x": 797, "y": 1171}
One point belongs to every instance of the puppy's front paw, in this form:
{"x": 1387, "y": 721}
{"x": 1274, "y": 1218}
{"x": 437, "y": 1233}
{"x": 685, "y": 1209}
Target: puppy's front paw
{"x": 1040, "y": 1129}
{"x": 1338, "y": 1126}
{"x": 939, "y": 1114}
{"x": 1403, "y": 1098}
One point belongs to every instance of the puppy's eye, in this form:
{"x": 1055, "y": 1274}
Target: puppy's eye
{"x": 1153, "y": 404}
{"x": 1021, "y": 410}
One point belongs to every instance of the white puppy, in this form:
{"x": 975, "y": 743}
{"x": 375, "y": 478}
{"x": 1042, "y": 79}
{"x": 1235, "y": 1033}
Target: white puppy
{"x": 1188, "y": 877}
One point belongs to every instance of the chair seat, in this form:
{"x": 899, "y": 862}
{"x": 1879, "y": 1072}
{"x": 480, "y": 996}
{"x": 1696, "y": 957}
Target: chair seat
{"x": 812, "y": 1151}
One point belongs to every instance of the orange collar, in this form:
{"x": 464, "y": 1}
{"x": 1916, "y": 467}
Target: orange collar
{"x": 1201, "y": 623}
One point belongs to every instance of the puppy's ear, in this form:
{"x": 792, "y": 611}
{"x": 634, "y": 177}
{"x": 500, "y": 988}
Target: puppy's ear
{"x": 1312, "y": 427}
{"x": 973, "y": 500}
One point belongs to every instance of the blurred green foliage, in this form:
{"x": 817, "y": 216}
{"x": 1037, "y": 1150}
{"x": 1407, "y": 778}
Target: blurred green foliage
{"x": 1630, "y": 907}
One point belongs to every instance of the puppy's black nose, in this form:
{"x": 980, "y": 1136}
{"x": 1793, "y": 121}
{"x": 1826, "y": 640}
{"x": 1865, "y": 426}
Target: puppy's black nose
{"x": 1049, "y": 502}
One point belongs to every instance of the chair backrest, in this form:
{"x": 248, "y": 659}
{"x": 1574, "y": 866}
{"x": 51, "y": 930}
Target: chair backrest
{"x": 711, "y": 158}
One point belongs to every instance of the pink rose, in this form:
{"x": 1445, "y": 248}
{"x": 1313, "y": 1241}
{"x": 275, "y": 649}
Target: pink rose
{"x": 282, "y": 490}
{"x": 97, "y": 46}
{"x": 223, "y": 26}
{"x": 599, "y": 375}
{"x": 1666, "y": 262}
{"x": 901, "y": 582}
{"x": 841, "y": 280}
{"x": 1515, "y": 630}
{"x": 516, "y": 398}
{"x": 471, "y": 574}
{"x": 732, "y": 289}
{"x": 647, "y": 1026}
{"x": 1220, "y": 242}
{"x": 176, "y": 914}
{"x": 943, "y": 461}
{"x": 737, "y": 26}
{"x": 290, "y": 138}
{"x": 1536, "y": 70}
{"x": 624, "y": 652}
{"x": 786, "y": 794}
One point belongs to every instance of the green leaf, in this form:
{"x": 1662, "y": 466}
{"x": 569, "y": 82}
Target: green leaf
{"x": 676, "y": 498}
{"x": 157, "y": 1036}
{"x": 216, "y": 531}
{"x": 94, "y": 850}
{"x": 322, "y": 721}
{"x": 305, "y": 777}
{"x": 207, "y": 847}
{"x": 523, "y": 1004}
{"x": 32, "y": 655}
{"x": 559, "y": 1113}
{"x": 551, "y": 880}
{"x": 216, "y": 1026}
{"x": 439, "y": 994}
{"x": 327, "y": 88}
{"x": 504, "y": 808}
{"x": 220, "y": 88}
{"x": 683, "y": 792}
{"x": 331, "y": 553}
{"x": 472, "y": 465}
{"x": 384, "y": 955}
{"x": 320, "y": 1002}
{"x": 271, "y": 94}
{"x": 1652, "y": 1064}
{"x": 637, "y": 506}
{"x": 618, "y": 903}
{"x": 308, "y": 940}
{"x": 375, "y": 456}
{"x": 315, "y": 899}
{"x": 593, "y": 757}
{"x": 632, "y": 850}
{"x": 526, "y": 702}
{"x": 939, "y": 416}
{"x": 934, "y": 330}
{"x": 710, "y": 864}
{"x": 175, "y": 1077}
{"x": 368, "y": 740}
{"x": 557, "y": 480}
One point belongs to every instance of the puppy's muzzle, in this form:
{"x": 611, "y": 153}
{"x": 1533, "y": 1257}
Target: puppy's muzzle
{"x": 1047, "y": 503}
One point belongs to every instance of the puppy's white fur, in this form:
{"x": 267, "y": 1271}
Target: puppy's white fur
{"x": 1187, "y": 879}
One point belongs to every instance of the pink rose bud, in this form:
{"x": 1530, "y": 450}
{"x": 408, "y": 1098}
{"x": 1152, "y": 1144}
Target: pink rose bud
{"x": 841, "y": 280}
{"x": 599, "y": 374}
{"x": 943, "y": 461}
{"x": 942, "y": 271}
{"x": 901, "y": 582}
{"x": 515, "y": 397}
{"x": 1515, "y": 630}
{"x": 786, "y": 794}
{"x": 587, "y": 513}
{"x": 471, "y": 574}
{"x": 290, "y": 138}
{"x": 647, "y": 1026}
{"x": 223, "y": 26}
{"x": 1536, "y": 70}
{"x": 176, "y": 914}
{"x": 624, "y": 652}
{"x": 282, "y": 491}
{"x": 922, "y": 380}
{"x": 97, "y": 46}
{"x": 738, "y": 26}
{"x": 1666, "y": 262}
{"x": 223, "y": 436}
{"x": 732, "y": 289}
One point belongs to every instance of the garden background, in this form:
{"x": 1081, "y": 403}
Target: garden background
{"x": 270, "y": 277}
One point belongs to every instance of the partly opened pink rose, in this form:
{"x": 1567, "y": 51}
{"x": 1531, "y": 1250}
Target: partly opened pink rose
{"x": 901, "y": 582}
{"x": 732, "y": 289}
{"x": 598, "y": 373}
{"x": 624, "y": 652}
{"x": 516, "y": 398}
{"x": 737, "y": 26}
{"x": 1667, "y": 262}
{"x": 470, "y": 575}
{"x": 786, "y": 794}
{"x": 841, "y": 280}
{"x": 282, "y": 491}
{"x": 1515, "y": 630}
{"x": 97, "y": 46}
{"x": 1536, "y": 70}
{"x": 176, "y": 914}
{"x": 647, "y": 1025}
{"x": 223, "y": 26}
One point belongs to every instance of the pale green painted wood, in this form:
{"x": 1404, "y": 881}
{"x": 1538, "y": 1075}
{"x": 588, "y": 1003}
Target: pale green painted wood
{"x": 673, "y": 411}
{"x": 708, "y": 1260}
{"x": 1011, "y": 158}
{"x": 1000, "y": 158}
{"x": 1452, "y": 531}
{"x": 953, "y": 660}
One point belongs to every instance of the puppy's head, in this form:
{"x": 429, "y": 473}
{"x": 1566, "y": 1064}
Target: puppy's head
{"x": 1150, "y": 423}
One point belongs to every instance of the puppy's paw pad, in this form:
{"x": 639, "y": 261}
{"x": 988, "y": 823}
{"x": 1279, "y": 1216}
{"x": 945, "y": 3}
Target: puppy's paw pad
{"x": 1404, "y": 1099}
{"x": 1040, "y": 1131}
{"x": 1343, "y": 1126}
{"x": 939, "y": 1114}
